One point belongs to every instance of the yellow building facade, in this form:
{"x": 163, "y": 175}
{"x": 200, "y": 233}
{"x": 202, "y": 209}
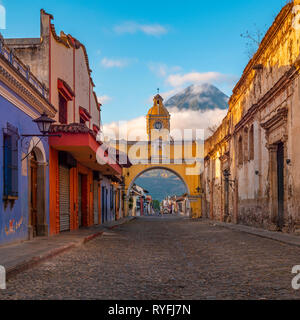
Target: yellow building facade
{"x": 183, "y": 157}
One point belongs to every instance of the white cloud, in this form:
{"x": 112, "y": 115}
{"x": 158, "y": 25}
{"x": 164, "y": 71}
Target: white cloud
{"x": 180, "y": 120}
{"x": 159, "y": 70}
{"x": 192, "y": 119}
{"x": 132, "y": 130}
{"x": 177, "y": 80}
{"x": 162, "y": 70}
{"x": 104, "y": 99}
{"x": 114, "y": 63}
{"x": 134, "y": 27}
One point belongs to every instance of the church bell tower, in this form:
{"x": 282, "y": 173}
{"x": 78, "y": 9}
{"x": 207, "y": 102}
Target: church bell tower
{"x": 158, "y": 120}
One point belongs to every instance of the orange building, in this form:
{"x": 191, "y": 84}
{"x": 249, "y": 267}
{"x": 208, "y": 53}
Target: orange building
{"x": 82, "y": 191}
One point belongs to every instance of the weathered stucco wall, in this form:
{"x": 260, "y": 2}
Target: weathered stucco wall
{"x": 266, "y": 99}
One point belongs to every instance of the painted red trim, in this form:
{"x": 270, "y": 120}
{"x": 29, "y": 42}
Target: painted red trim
{"x": 84, "y": 114}
{"x": 74, "y": 84}
{"x": 80, "y": 140}
{"x": 96, "y": 129}
{"x": 90, "y": 101}
{"x": 50, "y": 91}
{"x": 63, "y": 87}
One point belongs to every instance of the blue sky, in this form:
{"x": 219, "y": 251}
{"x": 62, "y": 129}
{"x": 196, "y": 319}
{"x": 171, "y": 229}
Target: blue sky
{"x": 137, "y": 46}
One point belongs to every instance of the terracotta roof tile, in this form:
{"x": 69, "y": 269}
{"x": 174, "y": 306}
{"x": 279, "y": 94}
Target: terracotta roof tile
{"x": 72, "y": 128}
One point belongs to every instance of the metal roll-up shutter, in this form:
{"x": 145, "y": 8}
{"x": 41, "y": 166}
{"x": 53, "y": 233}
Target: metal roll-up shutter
{"x": 96, "y": 212}
{"x": 64, "y": 198}
{"x": 80, "y": 200}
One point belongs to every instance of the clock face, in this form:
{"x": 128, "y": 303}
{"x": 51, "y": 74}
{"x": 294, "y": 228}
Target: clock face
{"x": 158, "y": 125}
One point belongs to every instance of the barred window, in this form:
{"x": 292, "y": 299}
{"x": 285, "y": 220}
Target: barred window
{"x": 10, "y": 161}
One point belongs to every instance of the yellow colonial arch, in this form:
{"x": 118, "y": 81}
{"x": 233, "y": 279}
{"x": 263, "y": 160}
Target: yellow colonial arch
{"x": 183, "y": 157}
{"x": 191, "y": 182}
{"x": 141, "y": 169}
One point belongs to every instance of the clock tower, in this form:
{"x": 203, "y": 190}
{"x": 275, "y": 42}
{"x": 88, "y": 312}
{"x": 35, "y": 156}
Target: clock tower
{"x": 158, "y": 120}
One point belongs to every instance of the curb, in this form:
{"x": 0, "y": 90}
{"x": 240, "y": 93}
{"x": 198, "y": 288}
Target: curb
{"x": 120, "y": 224}
{"x": 26, "y": 265}
{"x": 265, "y": 234}
{"x": 33, "y": 262}
{"x": 93, "y": 236}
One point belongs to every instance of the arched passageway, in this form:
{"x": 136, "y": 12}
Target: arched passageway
{"x": 139, "y": 175}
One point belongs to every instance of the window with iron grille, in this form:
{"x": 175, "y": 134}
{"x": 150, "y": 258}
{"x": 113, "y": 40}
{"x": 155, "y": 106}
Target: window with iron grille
{"x": 10, "y": 161}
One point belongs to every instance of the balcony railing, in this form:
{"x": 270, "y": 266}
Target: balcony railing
{"x": 19, "y": 66}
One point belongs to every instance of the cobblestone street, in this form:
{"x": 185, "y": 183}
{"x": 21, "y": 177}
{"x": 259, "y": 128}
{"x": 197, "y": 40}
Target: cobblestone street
{"x": 164, "y": 258}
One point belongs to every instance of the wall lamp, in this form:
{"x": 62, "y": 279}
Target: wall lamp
{"x": 44, "y": 123}
{"x": 227, "y": 176}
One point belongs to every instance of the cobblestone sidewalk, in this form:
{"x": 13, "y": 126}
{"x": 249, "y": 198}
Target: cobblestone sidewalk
{"x": 21, "y": 256}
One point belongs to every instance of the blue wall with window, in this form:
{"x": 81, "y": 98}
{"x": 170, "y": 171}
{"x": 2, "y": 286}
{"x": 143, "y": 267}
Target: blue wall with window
{"x": 14, "y": 181}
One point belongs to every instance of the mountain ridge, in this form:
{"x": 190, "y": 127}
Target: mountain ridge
{"x": 199, "y": 97}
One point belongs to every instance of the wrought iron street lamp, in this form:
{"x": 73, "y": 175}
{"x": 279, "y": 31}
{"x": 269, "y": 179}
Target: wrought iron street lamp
{"x": 44, "y": 123}
{"x": 228, "y": 183}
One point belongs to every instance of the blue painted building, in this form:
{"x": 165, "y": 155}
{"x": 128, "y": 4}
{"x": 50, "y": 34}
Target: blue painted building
{"x": 24, "y": 173}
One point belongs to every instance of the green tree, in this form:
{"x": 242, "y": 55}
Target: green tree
{"x": 156, "y": 205}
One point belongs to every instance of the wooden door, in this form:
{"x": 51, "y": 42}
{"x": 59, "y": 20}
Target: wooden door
{"x": 280, "y": 185}
{"x": 79, "y": 200}
{"x": 33, "y": 198}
